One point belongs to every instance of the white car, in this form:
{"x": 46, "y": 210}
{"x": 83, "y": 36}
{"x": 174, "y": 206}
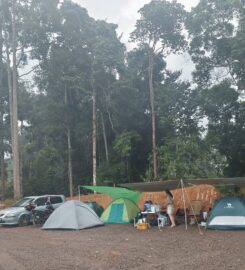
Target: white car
{"x": 17, "y": 214}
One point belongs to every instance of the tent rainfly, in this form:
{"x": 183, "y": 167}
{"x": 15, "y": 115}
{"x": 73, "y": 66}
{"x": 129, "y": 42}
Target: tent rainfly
{"x": 228, "y": 213}
{"x": 174, "y": 184}
{"x": 72, "y": 215}
{"x": 116, "y": 192}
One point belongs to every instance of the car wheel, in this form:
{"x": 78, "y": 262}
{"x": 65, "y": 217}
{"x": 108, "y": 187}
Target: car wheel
{"x": 37, "y": 219}
{"x": 24, "y": 220}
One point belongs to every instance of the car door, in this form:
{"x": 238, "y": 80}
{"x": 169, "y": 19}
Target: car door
{"x": 56, "y": 201}
{"x": 41, "y": 202}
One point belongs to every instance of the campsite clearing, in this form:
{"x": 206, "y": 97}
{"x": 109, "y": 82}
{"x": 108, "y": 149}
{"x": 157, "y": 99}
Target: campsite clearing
{"x": 120, "y": 246}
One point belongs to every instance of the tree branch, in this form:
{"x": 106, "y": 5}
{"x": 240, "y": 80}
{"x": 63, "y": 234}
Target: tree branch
{"x": 30, "y": 71}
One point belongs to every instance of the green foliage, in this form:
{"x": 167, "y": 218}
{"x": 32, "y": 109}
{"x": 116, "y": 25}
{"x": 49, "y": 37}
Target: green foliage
{"x": 178, "y": 106}
{"x": 72, "y": 50}
{"x": 225, "y": 114}
{"x": 161, "y": 22}
{"x": 211, "y": 29}
{"x": 112, "y": 173}
{"x": 124, "y": 143}
{"x": 229, "y": 190}
{"x": 190, "y": 158}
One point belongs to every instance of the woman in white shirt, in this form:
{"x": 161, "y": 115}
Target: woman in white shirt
{"x": 170, "y": 207}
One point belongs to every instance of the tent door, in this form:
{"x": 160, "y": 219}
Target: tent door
{"x": 116, "y": 213}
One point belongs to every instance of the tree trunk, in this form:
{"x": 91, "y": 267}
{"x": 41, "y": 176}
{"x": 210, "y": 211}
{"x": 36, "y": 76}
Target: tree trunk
{"x": 153, "y": 115}
{"x": 9, "y": 72}
{"x": 94, "y": 128}
{"x": 10, "y": 91}
{"x": 70, "y": 173}
{"x": 69, "y": 150}
{"x": 105, "y": 138}
{"x": 2, "y": 163}
{"x": 15, "y": 142}
{"x": 2, "y": 167}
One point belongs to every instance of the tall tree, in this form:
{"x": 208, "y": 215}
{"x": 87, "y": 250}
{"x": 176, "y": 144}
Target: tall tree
{"x": 212, "y": 29}
{"x": 2, "y": 167}
{"x": 107, "y": 55}
{"x": 225, "y": 113}
{"x": 16, "y": 40}
{"x": 159, "y": 31}
{"x": 238, "y": 51}
{"x": 11, "y": 41}
{"x": 216, "y": 31}
{"x": 15, "y": 142}
{"x": 63, "y": 82}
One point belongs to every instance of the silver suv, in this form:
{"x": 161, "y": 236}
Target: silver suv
{"x": 17, "y": 214}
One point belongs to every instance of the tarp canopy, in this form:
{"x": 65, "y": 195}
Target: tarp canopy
{"x": 174, "y": 184}
{"x": 116, "y": 192}
{"x": 228, "y": 213}
{"x": 72, "y": 215}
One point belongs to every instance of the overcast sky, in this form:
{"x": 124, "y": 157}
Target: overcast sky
{"x": 125, "y": 13}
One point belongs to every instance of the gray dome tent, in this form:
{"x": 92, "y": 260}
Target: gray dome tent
{"x": 228, "y": 213}
{"x": 72, "y": 215}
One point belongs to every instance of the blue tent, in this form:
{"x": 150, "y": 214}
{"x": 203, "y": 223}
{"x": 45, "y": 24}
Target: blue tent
{"x": 228, "y": 213}
{"x": 72, "y": 215}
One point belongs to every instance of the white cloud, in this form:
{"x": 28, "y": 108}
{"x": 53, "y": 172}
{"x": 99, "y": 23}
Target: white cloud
{"x": 128, "y": 17}
{"x": 122, "y": 12}
{"x": 125, "y": 13}
{"x": 188, "y": 3}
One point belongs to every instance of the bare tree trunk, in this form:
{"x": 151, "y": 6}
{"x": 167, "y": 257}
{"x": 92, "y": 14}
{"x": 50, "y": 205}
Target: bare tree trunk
{"x": 105, "y": 138}
{"x": 21, "y": 152}
{"x": 2, "y": 163}
{"x": 10, "y": 91}
{"x": 70, "y": 173}
{"x": 94, "y": 135}
{"x": 2, "y": 167}
{"x": 69, "y": 149}
{"x": 107, "y": 105}
{"x": 15, "y": 143}
{"x": 153, "y": 114}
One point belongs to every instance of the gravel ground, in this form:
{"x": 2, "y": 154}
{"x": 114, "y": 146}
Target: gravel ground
{"x": 121, "y": 247}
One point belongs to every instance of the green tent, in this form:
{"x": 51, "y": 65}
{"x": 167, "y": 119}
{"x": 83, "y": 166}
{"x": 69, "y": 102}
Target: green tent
{"x": 116, "y": 192}
{"x": 120, "y": 210}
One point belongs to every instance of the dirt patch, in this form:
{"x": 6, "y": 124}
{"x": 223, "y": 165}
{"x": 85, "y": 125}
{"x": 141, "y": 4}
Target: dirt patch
{"x": 120, "y": 247}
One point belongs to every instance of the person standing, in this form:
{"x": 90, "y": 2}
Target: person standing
{"x": 170, "y": 207}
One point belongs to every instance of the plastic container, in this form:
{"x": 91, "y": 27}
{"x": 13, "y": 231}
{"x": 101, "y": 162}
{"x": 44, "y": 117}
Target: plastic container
{"x": 142, "y": 226}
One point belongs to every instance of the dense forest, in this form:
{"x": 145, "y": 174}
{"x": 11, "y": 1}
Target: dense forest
{"x": 94, "y": 112}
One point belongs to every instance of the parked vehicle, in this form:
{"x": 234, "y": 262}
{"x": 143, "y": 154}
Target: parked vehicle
{"x": 41, "y": 215}
{"x": 17, "y": 214}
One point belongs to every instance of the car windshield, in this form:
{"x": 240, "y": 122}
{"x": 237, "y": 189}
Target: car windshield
{"x": 23, "y": 202}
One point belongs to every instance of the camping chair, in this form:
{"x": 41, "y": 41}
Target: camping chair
{"x": 194, "y": 213}
{"x": 162, "y": 221}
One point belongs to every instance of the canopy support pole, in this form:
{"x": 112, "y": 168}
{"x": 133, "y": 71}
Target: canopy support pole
{"x": 183, "y": 198}
{"x": 184, "y": 193}
{"x": 79, "y": 193}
